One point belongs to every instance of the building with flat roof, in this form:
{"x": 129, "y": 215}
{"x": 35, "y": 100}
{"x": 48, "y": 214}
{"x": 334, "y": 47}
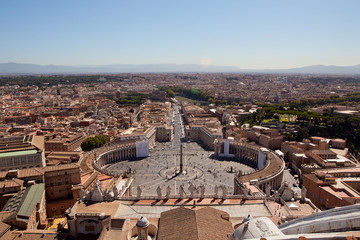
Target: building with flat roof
{"x": 334, "y": 187}
{"x": 306, "y": 156}
{"x": 202, "y": 134}
{"x": 266, "y": 137}
{"x": 201, "y": 126}
{"x": 65, "y": 143}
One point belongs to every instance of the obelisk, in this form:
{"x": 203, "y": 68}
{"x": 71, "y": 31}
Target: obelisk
{"x": 181, "y": 159}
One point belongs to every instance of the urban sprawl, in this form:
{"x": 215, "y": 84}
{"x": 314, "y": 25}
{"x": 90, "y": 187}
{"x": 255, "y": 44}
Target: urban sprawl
{"x": 180, "y": 156}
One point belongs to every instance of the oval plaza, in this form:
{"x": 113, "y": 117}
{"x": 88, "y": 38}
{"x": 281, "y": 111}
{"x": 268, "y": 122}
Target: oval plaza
{"x": 190, "y": 155}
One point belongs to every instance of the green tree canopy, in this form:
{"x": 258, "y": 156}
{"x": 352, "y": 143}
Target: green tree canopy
{"x": 93, "y": 142}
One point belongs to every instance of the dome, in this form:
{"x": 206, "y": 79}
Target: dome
{"x": 256, "y": 228}
{"x": 142, "y": 222}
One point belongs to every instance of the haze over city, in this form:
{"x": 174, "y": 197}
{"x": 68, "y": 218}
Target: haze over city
{"x": 244, "y": 34}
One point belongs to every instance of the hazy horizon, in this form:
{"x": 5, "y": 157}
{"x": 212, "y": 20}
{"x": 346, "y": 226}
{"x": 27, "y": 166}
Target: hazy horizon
{"x": 244, "y": 34}
{"x": 140, "y": 64}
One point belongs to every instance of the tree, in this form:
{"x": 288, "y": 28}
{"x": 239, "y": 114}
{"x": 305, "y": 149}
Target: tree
{"x": 93, "y": 142}
{"x": 170, "y": 93}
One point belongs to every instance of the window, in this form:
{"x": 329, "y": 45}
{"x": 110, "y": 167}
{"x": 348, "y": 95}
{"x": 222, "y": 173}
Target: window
{"x": 89, "y": 228}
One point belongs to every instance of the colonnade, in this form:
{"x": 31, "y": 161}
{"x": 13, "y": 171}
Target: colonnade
{"x": 250, "y": 155}
{"x": 270, "y": 174}
{"x": 115, "y": 154}
{"x": 274, "y": 181}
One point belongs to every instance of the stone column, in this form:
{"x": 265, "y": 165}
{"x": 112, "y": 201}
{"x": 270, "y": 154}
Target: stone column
{"x": 181, "y": 158}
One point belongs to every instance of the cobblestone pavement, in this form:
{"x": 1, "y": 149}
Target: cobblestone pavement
{"x": 159, "y": 169}
{"x": 213, "y": 172}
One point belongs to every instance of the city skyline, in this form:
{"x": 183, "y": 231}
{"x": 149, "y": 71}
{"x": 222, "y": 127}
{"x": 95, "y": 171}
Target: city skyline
{"x": 256, "y": 35}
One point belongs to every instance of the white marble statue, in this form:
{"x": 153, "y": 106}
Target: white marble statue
{"x": 303, "y": 193}
{"x": 246, "y": 191}
{"x": 276, "y": 196}
{"x": 97, "y": 193}
{"x": 181, "y": 191}
{"x": 191, "y": 190}
{"x": 158, "y": 190}
{"x": 224, "y": 192}
{"x": 268, "y": 190}
{"x": 115, "y": 191}
{"x": 168, "y": 191}
{"x": 202, "y": 191}
{"x": 81, "y": 194}
{"x": 138, "y": 192}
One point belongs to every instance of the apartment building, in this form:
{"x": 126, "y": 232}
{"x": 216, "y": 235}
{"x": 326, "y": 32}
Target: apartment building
{"x": 64, "y": 143}
{"x": 266, "y": 137}
{"x": 333, "y": 187}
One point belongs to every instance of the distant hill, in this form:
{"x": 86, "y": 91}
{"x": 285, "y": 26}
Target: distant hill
{"x": 18, "y": 68}
{"x": 322, "y": 69}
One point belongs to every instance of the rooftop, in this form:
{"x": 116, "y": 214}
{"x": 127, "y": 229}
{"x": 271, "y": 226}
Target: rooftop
{"x": 24, "y": 203}
{"x": 17, "y": 153}
{"x": 147, "y": 208}
{"x": 33, "y": 196}
{"x": 199, "y": 223}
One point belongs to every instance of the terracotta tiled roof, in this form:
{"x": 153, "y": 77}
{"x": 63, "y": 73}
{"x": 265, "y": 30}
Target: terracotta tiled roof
{"x": 203, "y": 224}
{"x": 312, "y": 177}
{"x": 11, "y": 183}
{"x": 28, "y": 172}
{"x": 3, "y": 226}
{"x": 61, "y": 167}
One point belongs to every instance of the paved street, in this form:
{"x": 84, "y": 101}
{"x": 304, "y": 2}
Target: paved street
{"x": 159, "y": 169}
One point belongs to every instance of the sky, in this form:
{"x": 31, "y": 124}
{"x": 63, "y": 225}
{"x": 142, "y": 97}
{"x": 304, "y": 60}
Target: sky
{"x": 252, "y": 34}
